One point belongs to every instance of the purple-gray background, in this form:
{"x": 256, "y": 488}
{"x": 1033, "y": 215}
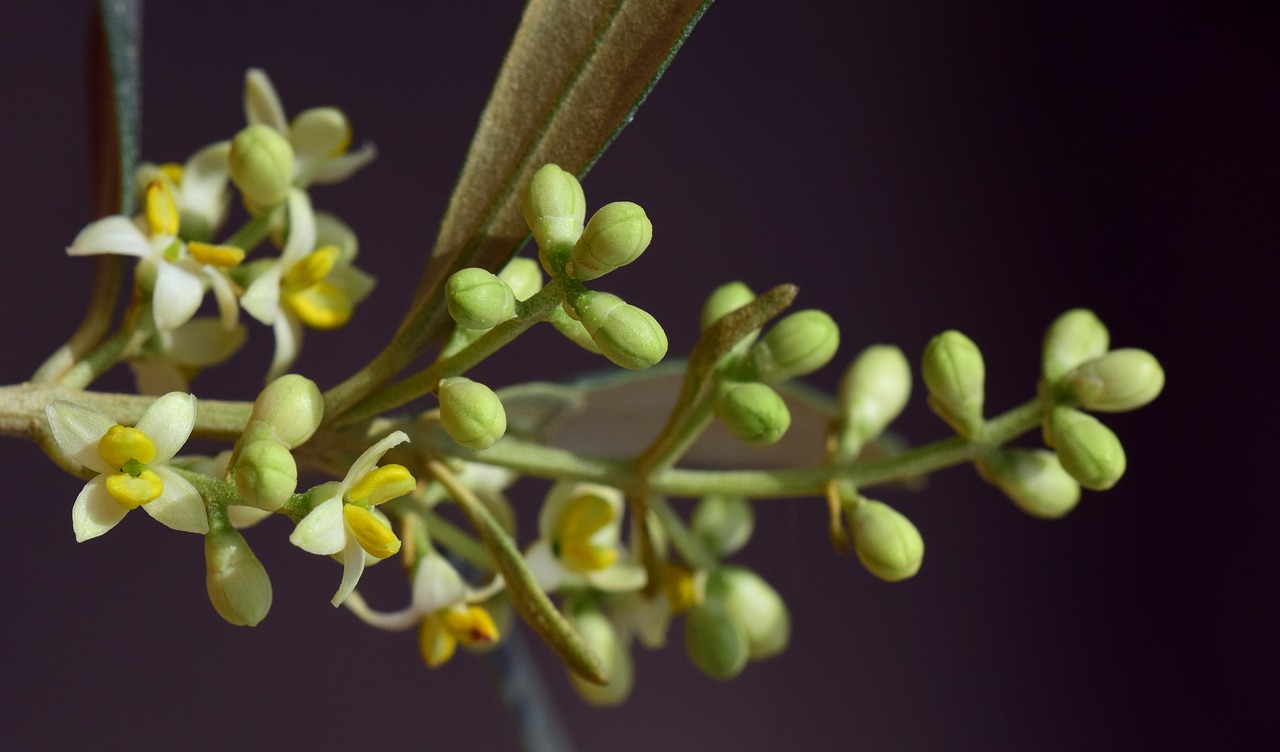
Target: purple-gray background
{"x": 913, "y": 167}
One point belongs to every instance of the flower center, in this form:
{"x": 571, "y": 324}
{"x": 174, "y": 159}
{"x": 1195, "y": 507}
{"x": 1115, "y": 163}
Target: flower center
{"x": 129, "y": 450}
{"x": 583, "y": 518}
{"x": 319, "y": 304}
{"x": 221, "y": 256}
{"x": 382, "y": 484}
{"x": 374, "y": 536}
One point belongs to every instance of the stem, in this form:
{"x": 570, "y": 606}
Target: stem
{"x": 694, "y": 553}
{"x": 107, "y": 271}
{"x": 252, "y": 232}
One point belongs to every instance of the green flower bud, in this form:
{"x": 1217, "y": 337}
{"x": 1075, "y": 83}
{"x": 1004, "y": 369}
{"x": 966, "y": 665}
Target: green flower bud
{"x": 1119, "y": 381}
{"x": 886, "y": 542}
{"x": 523, "y": 276}
{"x": 754, "y": 413}
{"x": 626, "y": 335}
{"x": 724, "y": 300}
{"x": 1073, "y": 338}
{"x": 603, "y": 639}
{"x": 616, "y": 235}
{"x": 266, "y": 474}
{"x": 716, "y": 641}
{"x": 1033, "y": 479}
{"x": 555, "y": 209}
{"x": 874, "y": 390}
{"x": 955, "y": 377}
{"x": 799, "y": 344}
{"x": 293, "y": 406}
{"x": 478, "y": 299}
{"x": 1088, "y": 450}
{"x": 573, "y": 329}
{"x": 723, "y": 523}
{"x": 471, "y": 413}
{"x": 238, "y": 586}
{"x": 759, "y": 609}
{"x": 261, "y": 163}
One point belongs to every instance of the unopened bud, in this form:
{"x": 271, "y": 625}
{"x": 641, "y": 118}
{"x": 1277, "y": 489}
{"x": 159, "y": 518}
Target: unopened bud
{"x": 874, "y": 390}
{"x": 716, "y": 641}
{"x": 886, "y": 542}
{"x": 293, "y": 406}
{"x": 573, "y": 329}
{"x": 266, "y": 474}
{"x": 471, "y": 413}
{"x": 238, "y": 586}
{"x": 799, "y": 344}
{"x": 523, "y": 276}
{"x": 604, "y": 641}
{"x": 1033, "y": 479}
{"x": 724, "y": 300}
{"x": 555, "y": 209}
{"x": 261, "y": 163}
{"x": 615, "y": 236}
{"x": 758, "y": 608}
{"x": 478, "y": 299}
{"x": 955, "y": 377}
{"x": 1117, "y": 382}
{"x": 723, "y": 523}
{"x": 1087, "y": 449}
{"x": 754, "y": 413}
{"x": 625, "y": 334}
{"x": 1073, "y": 338}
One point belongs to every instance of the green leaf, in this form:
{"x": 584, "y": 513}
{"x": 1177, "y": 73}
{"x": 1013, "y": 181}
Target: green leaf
{"x": 116, "y": 97}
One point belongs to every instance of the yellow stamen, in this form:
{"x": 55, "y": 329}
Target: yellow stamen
{"x": 583, "y": 517}
{"x": 311, "y": 268}
{"x": 173, "y": 171}
{"x": 435, "y": 643}
{"x": 470, "y": 624}
{"x": 374, "y": 535}
{"x": 676, "y": 583}
{"x": 383, "y": 484}
{"x": 222, "y": 256}
{"x": 130, "y": 492}
{"x": 584, "y": 556}
{"x": 321, "y": 306}
{"x": 162, "y": 212}
{"x": 120, "y": 444}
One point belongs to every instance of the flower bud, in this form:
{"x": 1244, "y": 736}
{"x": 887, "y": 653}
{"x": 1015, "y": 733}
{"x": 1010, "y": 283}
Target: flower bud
{"x": 716, "y": 641}
{"x": 874, "y": 390}
{"x": 955, "y": 376}
{"x": 754, "y": 413}
{"x": 266, "y": 474}
{"x": 723, "y": 523}
{"x": 573, "y": 329}
{"x": 261, "y": 163}
{"x": 797, "y": 345}
{"x": 887, "y": 544}
{"x": 1119, "y": 381}
{"x": 478, "y": 299}
{"x": 1088, "y": 450}
{"x": 616, "y": 235}
{"x": 724, "y": 300}
{"x": 523, "y": 276}
{"x": 759, "y": 609}
{"x": 293, "y": 406}
{"x": 1033, "y": 479}
{"x": 555, "y": 209}
{"x": 604, "y": 641}
{"x": 626, "y": 335}
{"x": 1073, "y": 338}
{"x": 471, "y": 413}
{"x": 238, "y": 586}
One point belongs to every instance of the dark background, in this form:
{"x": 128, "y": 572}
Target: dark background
{"x": 913, "y": 166}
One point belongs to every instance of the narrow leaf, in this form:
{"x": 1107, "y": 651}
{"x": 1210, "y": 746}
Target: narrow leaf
{"x": 115, "y": 105}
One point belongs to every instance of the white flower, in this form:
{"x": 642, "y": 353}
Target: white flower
{"x": 131, "y": 465}
{"x": 320, "y": 136}
{"x": 579, "y": 529}
{"x": 348, "y": 523}
{"x": 168, "y": 360}
{"x": 305, "y": 285}
{"x": 199, "y": 189}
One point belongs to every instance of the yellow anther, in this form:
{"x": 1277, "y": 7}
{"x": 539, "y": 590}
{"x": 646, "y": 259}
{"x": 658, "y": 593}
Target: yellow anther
{"x": 120, "y": 444}
{"x": 311, "y": 268}
{"x": 321, "y": 306}
{"x": 130, "y": 492}
{"x": 676, "y": 583}
{"x": 583, "y": 517}
{"x": 173, "y": 171}
{"x": 374, "y": 535}
{"x": 435, "y": 643}
{"x": 383, "y": 484}
{"x": 162, "y": 212}
{"x": 470, "y": 625}
{"x": 586, "y": 557}
{"x": 222, "y": 256}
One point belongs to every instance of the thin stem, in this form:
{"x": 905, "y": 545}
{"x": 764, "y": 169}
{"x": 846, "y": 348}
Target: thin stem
{"x": 135, "y": 327}
{"x": 694, "y": 553}
{"x": 107, "y": 271}
{"x": 252, "y": 232}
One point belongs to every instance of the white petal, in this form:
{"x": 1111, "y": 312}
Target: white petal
{"x": 95, "y": 512}
{"x": 242, "y": 517}
{"x": 168, "y": 423}
{"x": 392, "y": 621}
{"x": 156, "y": 377}
{"x": 203, "y": 192}
{"x": 226, "y": 296}
{"x": 302, "y": 229}
{"x": 320, "y": 131}
{"x": 618, "y": 578}
{"x": 437, "y": 585}
{"x": 355, "y": 283}
{"x": 322, "y": 531}
{"x": 179, "y": 506}
{"x": 177, "y": 295}
{"x": 369, "y": 459}
{"x": 78, "y": 429}
{"x": 546, "y": 571}
{"x": 203, "y": 342}
{"x": 352, "y": 568}
{"x": 480, "y": 477}
{"x": 565, "y": 491}
{"x": 262, "y": 299}
{"x": 261, "y": 105}
{"x": 340, "y": 168}
{"x": 288, "y": 331}
{"x": 117, "y": 235}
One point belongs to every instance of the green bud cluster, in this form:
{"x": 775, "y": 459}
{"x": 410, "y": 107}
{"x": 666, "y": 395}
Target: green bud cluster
{"x": 886, "y": 542}
{"x": 285, "y": 415}
{"x": 471, "y": 413}
{"x": 740, "y": 618}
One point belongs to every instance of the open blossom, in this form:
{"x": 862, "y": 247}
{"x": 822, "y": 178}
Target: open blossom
{"x": 199, "y": 189}
{"x": 579, "y": 529}
{"x": 347, "y": 521}
{"x": 131, "y": 464}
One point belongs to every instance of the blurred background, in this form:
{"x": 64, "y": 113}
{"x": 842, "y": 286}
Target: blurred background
{"x": 913, "y": 167}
